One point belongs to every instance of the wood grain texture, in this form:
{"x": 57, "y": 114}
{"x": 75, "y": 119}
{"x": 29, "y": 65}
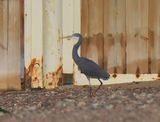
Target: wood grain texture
{"x": 84, "y": 26}
{"x": 131, "y": 31}
{"x": 92, "y": 30}
{"x": 3, "y": 43}
{"x": 37, "y": 42}
{"x": 52, "y": 46}
{"x": 137, "y": 32}
{"x": 84, "y": 17}
{"x": 95, "y": 17}
{"x": 154, "y": 35}
{"x": 68, "y": 26}
{"x": 114, "y": 36}
{"x": 10, "y": 41}
{"x": 14, "y": 39}
{"x": 33, "y": 42}
{"x": 22, "y": 37}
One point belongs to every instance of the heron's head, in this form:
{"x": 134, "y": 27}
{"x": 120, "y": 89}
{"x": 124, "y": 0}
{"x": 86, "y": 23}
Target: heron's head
{"x": 74, "y": 36}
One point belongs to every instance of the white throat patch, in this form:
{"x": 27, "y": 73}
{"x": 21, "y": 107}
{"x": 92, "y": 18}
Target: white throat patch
{"x": 76, "y": 38}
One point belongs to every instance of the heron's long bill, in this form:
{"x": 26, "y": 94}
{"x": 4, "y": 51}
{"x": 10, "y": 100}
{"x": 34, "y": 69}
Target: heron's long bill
{"x": 67, "y": 37}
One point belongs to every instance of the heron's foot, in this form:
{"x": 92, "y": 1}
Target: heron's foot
{"x": 98, "y": 88}
{"x": 94, "y": 94}
{"x": 91, "y": 95}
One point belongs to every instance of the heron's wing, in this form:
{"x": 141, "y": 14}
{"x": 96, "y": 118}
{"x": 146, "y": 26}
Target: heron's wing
{"x": 89, "y": 67}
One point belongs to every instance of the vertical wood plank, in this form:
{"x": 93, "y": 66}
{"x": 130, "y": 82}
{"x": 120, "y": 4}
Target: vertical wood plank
{"x": 154, "y": 35}
{"x": 33, "y": 42}
{"x": 95, "y": 17}
{"x": 95, "y": 31}
{"x": 143, "y": 60}
{"x": 132, "y": 28}
{"x": 77, "y": 16}
{"x": 3, "y": 43}
{"x": 94, "y": 41}
{"x": 68, "y": 20}
{"x": 22, "y": 38}
{"x": 84, "y": 17}
{"x": 27, "y": 42}
{"x": 52, "y": 26}
{"x": 84, "y": 26}
{"x": 137, "y": 32}
{"x": 121, "y": 37}
{"x": 14, "y": 39}
{"x": 114, "y": 35}
{"x": 37, "y": 42}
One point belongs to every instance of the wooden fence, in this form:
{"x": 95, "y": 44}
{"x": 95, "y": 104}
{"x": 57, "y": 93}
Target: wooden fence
{"x": 123, "y": 36}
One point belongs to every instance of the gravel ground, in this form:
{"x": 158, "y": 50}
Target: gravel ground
{"x": 72, "y": 104}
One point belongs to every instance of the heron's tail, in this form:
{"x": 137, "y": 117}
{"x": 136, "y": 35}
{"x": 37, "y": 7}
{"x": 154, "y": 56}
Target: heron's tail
{"x": 105, "y": 75}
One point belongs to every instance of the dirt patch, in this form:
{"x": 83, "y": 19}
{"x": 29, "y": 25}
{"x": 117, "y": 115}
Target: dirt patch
{"x": 72, "y": 104}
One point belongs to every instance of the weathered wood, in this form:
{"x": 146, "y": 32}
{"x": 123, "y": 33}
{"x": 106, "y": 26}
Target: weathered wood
{"x": 84, "y": 26}
{"x": 33, "y": 42}
{"x": 92, "y": 30}
{"x": 22, "y": 38}
{"x": 52, "y": 45}
{"x": 95, "y": 17}
{"x": 10, "y": 40}
{"x": 13, "y": 45}
{"x": 3, "y": 44}
{"x": 115, "y": 36}
{"x": 137, "y": 32}
{"x": 95, "y": 31}
{"x": 27, "y": 43}
{"x": 132, "y": 40}
{"x": 68, "y": 23}
{"x": 154, "y": 36}
{"x": 120, "y": 79}
{"x": 84, "y": 19}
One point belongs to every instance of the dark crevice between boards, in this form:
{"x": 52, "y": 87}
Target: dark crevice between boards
{"x": 138, "y": 72}
{"x": 115, "y": 72}
{"x": 67, "y": 79}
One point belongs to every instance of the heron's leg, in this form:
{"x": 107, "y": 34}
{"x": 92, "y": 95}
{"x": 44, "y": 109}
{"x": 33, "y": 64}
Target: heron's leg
{"x": 99, "y": 85}
{"x": 90, "y": 88}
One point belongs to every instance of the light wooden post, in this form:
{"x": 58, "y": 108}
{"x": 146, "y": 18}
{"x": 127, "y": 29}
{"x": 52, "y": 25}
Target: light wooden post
{"x": 52, "y": 45}
{"x": 68, "y": 25}
{"x": 33, "y": 42}
{"x": 10, "y": 37}
{"x": 67, "y": 30}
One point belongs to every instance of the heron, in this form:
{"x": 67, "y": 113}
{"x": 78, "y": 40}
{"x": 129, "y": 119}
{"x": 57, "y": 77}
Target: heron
{"x": 86, "y": 66}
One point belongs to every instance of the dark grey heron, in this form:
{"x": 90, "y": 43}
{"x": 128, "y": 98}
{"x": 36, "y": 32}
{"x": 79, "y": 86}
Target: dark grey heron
{"x": 87, "y": 66}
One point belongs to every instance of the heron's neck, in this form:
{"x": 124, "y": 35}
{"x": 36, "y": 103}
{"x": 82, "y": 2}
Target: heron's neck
{"x": 75, "y": 50}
